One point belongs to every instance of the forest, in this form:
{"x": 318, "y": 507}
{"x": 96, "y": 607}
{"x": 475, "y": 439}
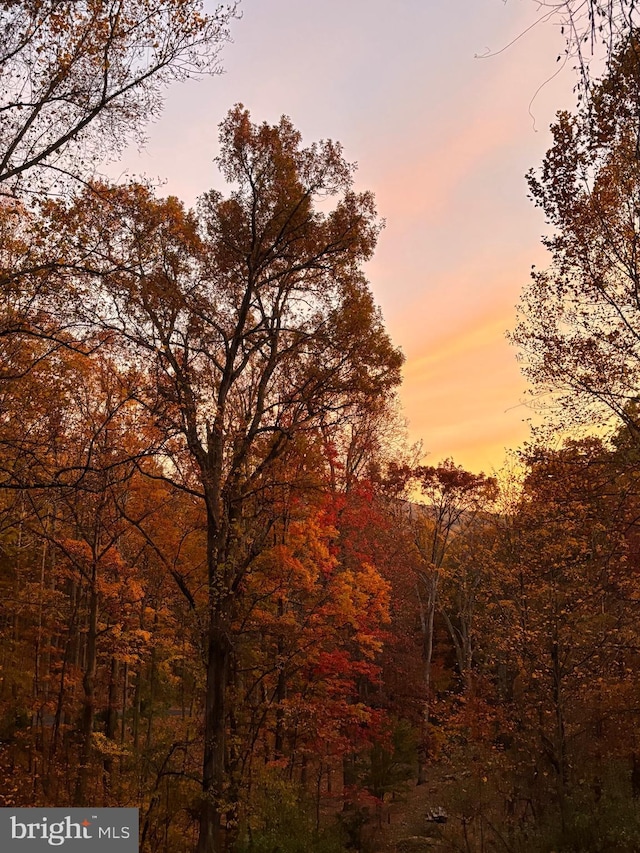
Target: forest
{"x": 233, "y": 595}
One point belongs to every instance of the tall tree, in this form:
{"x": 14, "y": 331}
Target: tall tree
{"x": 562, "y": 614}
{"x": 255, "y": 324}
{"x": 77, "y": 78}
{"x": 453, "y": 497}
{"x": 580, "y": 319}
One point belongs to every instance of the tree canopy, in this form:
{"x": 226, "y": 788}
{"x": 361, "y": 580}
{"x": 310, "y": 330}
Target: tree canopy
{"x": 580, "y": 319}
{"x": 78, "y": 79}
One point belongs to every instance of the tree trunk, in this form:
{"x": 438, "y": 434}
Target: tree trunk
{"x": 427, "y": 620}
{"x": 281, "y": 693}
{"x": 111, "y": 724}
{"x": 560, "y": 738}
{"x": 88, "y": 684}
{"x": 212, "y": 833}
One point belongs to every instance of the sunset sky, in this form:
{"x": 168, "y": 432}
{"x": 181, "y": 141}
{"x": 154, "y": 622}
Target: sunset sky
{"x": 443, "y": 139}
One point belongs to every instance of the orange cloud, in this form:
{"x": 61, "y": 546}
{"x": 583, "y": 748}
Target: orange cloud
{"x": 463, "y": 395}
{"x": 423, "y": 184}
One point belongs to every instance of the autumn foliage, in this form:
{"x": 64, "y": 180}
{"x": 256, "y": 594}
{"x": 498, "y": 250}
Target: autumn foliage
{"x": 231, "y": 595}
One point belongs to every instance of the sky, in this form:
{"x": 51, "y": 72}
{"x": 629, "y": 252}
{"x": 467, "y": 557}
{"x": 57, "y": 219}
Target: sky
{"x": 444, "y": 105}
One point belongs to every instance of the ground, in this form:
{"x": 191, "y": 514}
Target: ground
{"x": 412, "y": 823}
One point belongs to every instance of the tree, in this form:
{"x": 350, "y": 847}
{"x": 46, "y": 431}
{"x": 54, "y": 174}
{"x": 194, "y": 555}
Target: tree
{"x": 580, "y": 320}
{"x": 463, "y": 592}
{"x": 562, "y": 616}
{"x": 78, "y": 78}
{"x": 254, "y": 324}
{"x": 314, "y": 628}
{"x": 452, "y": 498}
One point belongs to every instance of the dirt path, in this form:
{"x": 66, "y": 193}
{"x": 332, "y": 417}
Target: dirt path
{"x": 405, "y": 827}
